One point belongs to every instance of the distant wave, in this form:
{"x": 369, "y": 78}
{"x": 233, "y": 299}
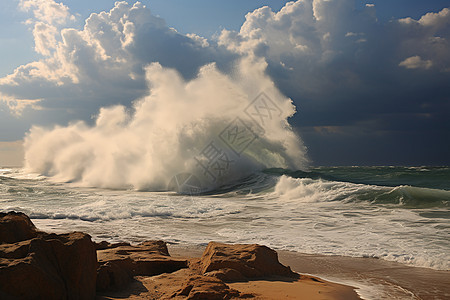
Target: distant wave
{"x": 318, "y": 185}
{"x": 426, "y": 177}
{"x": 319, "y": 190}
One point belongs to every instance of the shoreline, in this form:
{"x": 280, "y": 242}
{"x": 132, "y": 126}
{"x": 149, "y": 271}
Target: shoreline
{"x": 318, "y": 276}
{"x": 372, "y": 278}
{"x": 39, "y": 264}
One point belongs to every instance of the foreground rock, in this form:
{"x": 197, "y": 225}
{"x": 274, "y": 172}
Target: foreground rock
{"x": 242, "y": 262}
{"x": 182, "y": 284}
{"x": 16, "y": 227}
{"x": 119, "y": 263}
{"x": 48, "y": 267}
{"x": 221, "y": 263}
{"x": 206, "y": 287}
{"x": 37, "y": 265}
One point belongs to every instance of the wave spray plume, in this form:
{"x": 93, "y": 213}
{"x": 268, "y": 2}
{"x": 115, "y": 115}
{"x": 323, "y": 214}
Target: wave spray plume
{"x": 216, "y": 128}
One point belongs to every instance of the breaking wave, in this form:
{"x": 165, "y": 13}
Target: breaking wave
{"x": 212, "y": 130}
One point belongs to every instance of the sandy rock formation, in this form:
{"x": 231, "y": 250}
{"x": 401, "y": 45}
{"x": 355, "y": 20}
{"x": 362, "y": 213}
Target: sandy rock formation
{"x": 16, "y": 227}
{"x": 240, "y": 262}
{"x": 206, "y": 287}
{"x": 37, "y": 265}
{"x": 120, "y": 263}
{"x": 44, "y": 266}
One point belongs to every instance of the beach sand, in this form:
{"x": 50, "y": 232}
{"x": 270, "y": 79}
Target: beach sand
{"x": 159, "y": 287}
{"x": 373, "y": 278}
{"x": 305, "y": 288}
{"x": 273, "y": 288}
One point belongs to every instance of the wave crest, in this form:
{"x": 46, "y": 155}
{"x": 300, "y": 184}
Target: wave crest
{"x": 319, "y": 190}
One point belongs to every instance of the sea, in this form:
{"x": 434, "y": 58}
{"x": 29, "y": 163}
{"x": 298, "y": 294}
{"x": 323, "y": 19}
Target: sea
{"x": 397, "y": 214}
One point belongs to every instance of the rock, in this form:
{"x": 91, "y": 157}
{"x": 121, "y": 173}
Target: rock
{"x": 227, "y": 275}
{"x": 105, "y": 245}
{"x": 118, "y": 265}
{"x": 37, "y": 265}
{"x": 110, "y": 276}
{"x": 159, "y": 247}
{"x": 204, "y": 287}
{"x": 16, "y": 227}
{"x": 251, "y": 261}
{"x": 49, "y": 267}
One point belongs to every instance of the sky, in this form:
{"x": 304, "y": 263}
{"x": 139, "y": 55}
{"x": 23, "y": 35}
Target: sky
{"x": 369, "y": 79}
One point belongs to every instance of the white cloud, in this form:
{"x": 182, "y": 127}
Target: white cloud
{"x": 308, "y": 37}
{"x": 441, "y": 18}
{"x": 48, "y": 17}
{"x": 103, "y": 62}
{"x": 327, "y": 42}
{"x": 427, "y": 37}
{"x": 416, "y": 62}
{"x": 16, "y": 107}
{"x": 44, "y": 38}
{"x": 47, "y": 11}
{"x": 316, "y": 28}
{"x": 201, "y": 40}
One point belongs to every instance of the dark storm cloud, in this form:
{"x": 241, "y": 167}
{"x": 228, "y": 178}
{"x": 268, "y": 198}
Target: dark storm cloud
{"x": 358, "y": 84}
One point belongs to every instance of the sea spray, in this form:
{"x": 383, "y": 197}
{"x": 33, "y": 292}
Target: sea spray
{"x": 216, "y": 127}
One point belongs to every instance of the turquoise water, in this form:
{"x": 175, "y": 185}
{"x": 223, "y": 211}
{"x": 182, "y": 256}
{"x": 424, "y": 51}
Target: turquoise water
{"x": 415, "y": 187}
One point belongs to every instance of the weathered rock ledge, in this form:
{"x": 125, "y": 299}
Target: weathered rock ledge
{"x": 38, "y": 265}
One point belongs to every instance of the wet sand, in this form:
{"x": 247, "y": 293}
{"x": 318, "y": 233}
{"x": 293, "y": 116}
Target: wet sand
{"x": 305, "y": 288}
{"x": 373, "y": 278}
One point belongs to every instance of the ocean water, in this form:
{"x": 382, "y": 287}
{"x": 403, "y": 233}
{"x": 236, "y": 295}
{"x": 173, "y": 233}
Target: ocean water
{"x": 394, "y": 213}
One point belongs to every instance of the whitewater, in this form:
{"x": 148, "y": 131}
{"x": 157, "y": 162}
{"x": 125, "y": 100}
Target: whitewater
{"x": 393, "y": 213}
